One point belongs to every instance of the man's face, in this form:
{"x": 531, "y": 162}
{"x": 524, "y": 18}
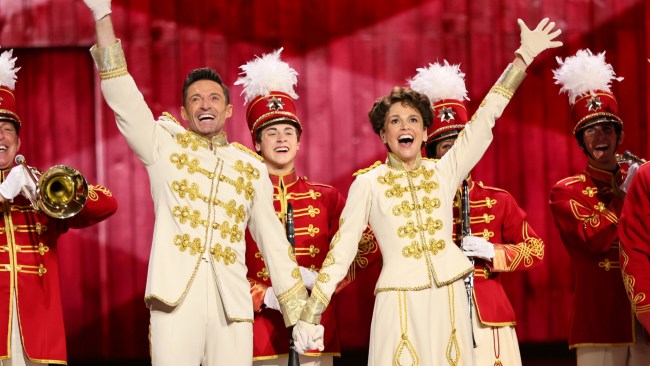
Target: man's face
{"x": 443, "y": 146}
{"x": 9, "y": 144}
{"x": 205, "y": 108}
{"x": 278, "y": 146}
{"x": 600, "y": 143}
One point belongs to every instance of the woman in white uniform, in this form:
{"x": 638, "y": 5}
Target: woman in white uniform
{"x": 421, "y": 314}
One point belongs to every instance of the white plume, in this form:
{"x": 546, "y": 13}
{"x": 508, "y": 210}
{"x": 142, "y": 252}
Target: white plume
{"x": 584, "y": 73}
{"x": 7, "y": 70}
{"x": 265, "y": 74}
{"x": 439, "y": 82}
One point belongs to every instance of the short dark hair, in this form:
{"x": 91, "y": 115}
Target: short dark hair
{"x": 406, "y": 96}
{"x": 580, "y": 134}
{"x": 258, "y": 134}
{"x": 204, "y": 73}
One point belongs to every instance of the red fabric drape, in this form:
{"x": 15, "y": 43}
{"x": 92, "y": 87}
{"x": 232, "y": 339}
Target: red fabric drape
{"x": 347, "y": 54}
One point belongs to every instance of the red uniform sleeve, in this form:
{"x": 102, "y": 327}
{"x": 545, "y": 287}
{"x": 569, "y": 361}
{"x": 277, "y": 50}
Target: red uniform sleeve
{"x": 100, "y": 205}
{"x": 634, "y": 234}
{"x": 582, "y": 219}
{"x": 521, "y": 248}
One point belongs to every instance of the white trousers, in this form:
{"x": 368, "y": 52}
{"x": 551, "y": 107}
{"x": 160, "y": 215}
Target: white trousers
{"x": 637, "y": 354}
{"x": 196, "y": 331}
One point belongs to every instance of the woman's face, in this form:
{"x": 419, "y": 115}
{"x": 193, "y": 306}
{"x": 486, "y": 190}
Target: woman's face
{"x": 403, "y": 132}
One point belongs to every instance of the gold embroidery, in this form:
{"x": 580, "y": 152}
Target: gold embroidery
{"x": 93, "y": 189}
{"x": 309, "y": 230}
{"x": 248, "y": 170}
{"x": 39, "y": 270}
{"x": 184, "y": 215}
{"x": 367, "y": 245}
{"x": 303, "y": 195}
{"x": 264, "y": 274}
{"x": 183, "y": 242}
{"x": 184, "y": 188}
{"x": 228, "y": 255}
{"x": 240, "y": 186}
{"x": 311, "y": 251}
{"x": 531, "y": 248}
{"x": 453, "y": 351}
{"x": 191, "y": 140}
{"x": 405, "y": 208}
{"x": 247, "y": 151}
{"x": 415, "y": 250}
{"x": 606, "y": 264}
{"x": 410, "y": 229}
{"x": 40, "y": 249}
{"x": 235, "y": 234}
{"x": 181, "y": 160}
{"x": 310, "y": 211}
{"x": 590, "y": 191}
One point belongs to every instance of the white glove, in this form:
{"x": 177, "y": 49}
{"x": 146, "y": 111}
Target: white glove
{"x": 100, "y": 8}
{"x": 308, "y": 277}
{"x": 270, "y": 300}
{"x": 307, "y": 336}
{"x": 631, "y": 172}
{"x": 535, "y": 41}
{"x": 474, "y": 246}
{"x": 16, "y": 179}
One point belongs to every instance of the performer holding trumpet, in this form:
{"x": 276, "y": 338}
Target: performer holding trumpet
{"x": 586, "y": 208}
{"x": 29, "y": 274}
{"x": 489, "y": 226}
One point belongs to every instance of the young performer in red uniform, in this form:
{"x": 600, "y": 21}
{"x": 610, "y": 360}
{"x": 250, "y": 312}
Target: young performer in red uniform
{"x": 504, "y": 242}
{"x": 32, "y": 330}
{"x": 586, "y": 208}
{"x": 276, "y": 129}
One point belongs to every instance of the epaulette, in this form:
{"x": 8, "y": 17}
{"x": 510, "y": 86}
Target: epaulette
{"x": 247, "y": 151}
{"x": 572, "y": 180}
{"x": 431, "y": 159}
{"x": 491, "y": 188}
{"x": 365, "y": 170}
{"x": 172, "y": 118}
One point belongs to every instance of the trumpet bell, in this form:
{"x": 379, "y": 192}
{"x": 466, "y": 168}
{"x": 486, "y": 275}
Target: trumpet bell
{"x": 62, "y": 191}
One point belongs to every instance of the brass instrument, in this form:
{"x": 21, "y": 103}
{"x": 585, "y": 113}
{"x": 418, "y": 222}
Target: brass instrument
{"x": 61, "y": 191}
{"x": 628, "y": 157}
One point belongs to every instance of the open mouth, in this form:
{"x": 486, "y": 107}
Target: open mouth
{"x": 281, "y": 149}
{"x": 602, "y": 147}
{"x": 206, "y": 117}
{"x": 405, "y": 140}
{"x": 3, "y": 148}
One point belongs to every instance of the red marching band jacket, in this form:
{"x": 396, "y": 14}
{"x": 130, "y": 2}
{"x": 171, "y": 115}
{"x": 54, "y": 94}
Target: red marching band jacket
{"x": 316, "y": 210}
{"x": 29, "y": 264}
{"x": 495, "y": 216}
{"x": 586, "y": 208}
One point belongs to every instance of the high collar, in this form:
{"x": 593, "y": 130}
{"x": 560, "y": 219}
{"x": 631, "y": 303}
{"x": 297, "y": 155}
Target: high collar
{"x": 285, "y": 180}
{"x": 395, "y": 162}
{"x": 606, "y": 176}
{"x": 219, "y": 140}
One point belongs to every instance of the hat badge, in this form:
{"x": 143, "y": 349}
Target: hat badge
{"x": 446, "y": 114}
{"x": 275, "y": 103}
{"x": 594, "y": 104}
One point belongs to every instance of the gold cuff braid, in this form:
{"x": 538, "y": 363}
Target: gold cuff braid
{"x": 291, "y": 302}
{"x": 110, "y": 61}
{"x": 314, "y": 308}
{"x": 510, "y": 80}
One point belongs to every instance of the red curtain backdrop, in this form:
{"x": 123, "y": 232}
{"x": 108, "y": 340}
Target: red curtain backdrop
{"x": 347, "y": 53}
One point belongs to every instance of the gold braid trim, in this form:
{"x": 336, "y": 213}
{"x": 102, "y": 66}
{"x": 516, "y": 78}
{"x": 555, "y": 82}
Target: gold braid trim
{"x": 365, "y": 170}
{"x": 248, "y": 151}
{"x": 292, "y": 302}
{"x": 511, "y": 78}
{"x": 315, "y": 306}
{"x": 172, "y": 118}
{"x": 110, "y": 61}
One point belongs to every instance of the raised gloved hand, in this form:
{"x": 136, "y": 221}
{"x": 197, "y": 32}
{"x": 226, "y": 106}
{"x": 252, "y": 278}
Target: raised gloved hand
{"x": 535, "y": 41}
{"x": 631, "y": 171}
{"x": 270, "y": 300}
{"x": 308, "y": 277}
{"x": 307, "y": 336}
{"x": 474, "y": 246}
{"x": 17, "y": 179}
{"x": 100, "y": 8}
